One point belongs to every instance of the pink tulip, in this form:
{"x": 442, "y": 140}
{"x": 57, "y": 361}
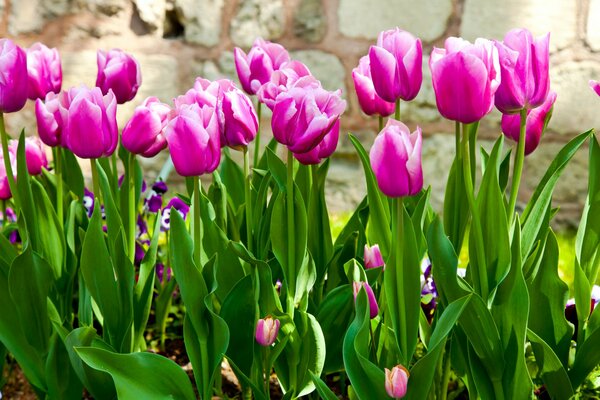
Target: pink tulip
{"x": 120, "y": 72}
{"x": 35, "y": 154}
{"x": 238, "y": 122}
{"x": 255, "y": 68}
{"x": 373, "y": 257}
{"x": 144, "y": 132}
{"x": 465, "y": 78}
{"x": 90, "y": 122}
{"x": 193, "y": 140}
{"x": 290, "y": 74}
{"x": 396, "y": 381}
{"x": 13, "y": 77}
{"x": 396, "y": 160}
{"x": 44, "y": 71}
{"x": 595, "y": 86}
{"x": 324, "y": 149}
{"x": 204, "y": 93}
{"x": 373, "y": 307}
{"x": 266, "y": 331}
{"x": 396, "y": 65}
{"x": 524, "y": 64}
{"x": 537, "y": 120}
{"x": 369, "y": 100}
{"x": 303, "y": 116}
{"x": 49, "y": 115}
{"x": 5, "y": 192}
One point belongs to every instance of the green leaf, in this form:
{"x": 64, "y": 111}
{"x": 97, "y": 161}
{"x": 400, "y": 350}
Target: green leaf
{"x": 588, "y": 358}
{"x": 456, "y": 207}
{"x": 322, "y": 388}
{"x": 140, "y": 375}
{"x": 277, "y": 168}
{"x": 233, "y": 179}
{"x": 72, "y": 174}
{"x": 63, "y": 383}
{"x": 320, "y": 243}
{"x": 27, "y": 208}
{"x": 552, "y": 371}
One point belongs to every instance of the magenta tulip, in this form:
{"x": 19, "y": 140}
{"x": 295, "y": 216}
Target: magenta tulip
{"x": 396, "y": 160}
{"x": 369, "y": 100}
{"x": 13, "y": 77}
{"x": 303, "y": 116}
{"x": 255, "y": 68}
{"x": 397, "y": 65}
{"x": 595, "y": 86}
{"x": 90, "y": 126}
{"x": 35, "y": 154}
{"x": 193, "y": 140}
{"x": 5, "y": 192}
{"x": 238, "y": 122}
{"x": 396, "y": 381}
{"x": 144, "y": 132}
{"x": 44, "y": 71}
{"x": 266, "y": 331}
{"x": 524, "y": 64}
{"x": 324, "y": 149}
{"x": 373, "y": 307}
{"x": 290, "y": 74}
{"x": 537, "y": 120}
{"x": 373, "y": 257}
{"x": 465, "y": 78}
{"x": 204, "y": 93}
{"x": 120, "y": 72}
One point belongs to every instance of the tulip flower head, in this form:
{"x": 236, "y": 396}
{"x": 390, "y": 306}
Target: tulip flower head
{"x": 255, "y": 68}
{"x": 238, "y": 122}
{"x": 35, "y": 154}
{"x": 144, "y": 132}
{"x": 13, "y": 77}
{"x": 291, "y": 74}
{"x": 373, "y": 257}
{"x": 204, "y": 93}
{"x": 396, "y": 381}
{"x": 396, "y": 160}
{"x": 373, "y": 307}
{"x": 120, "y": 72}
{"x": 266, "y": 331}
{"x": 44, "y": 71}
{"x": 595, "y": 86}
{"x": 51, "y": 118}
{"x": 465, "y": 78}
{"x": 370, "y": 102}
{"x": 5, "y": 192}
{"x": 324, "y": 149}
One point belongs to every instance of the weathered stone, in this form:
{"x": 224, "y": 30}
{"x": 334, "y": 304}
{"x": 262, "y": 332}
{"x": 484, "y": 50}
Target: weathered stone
{"x": 345, "y": 186}
{"x": 25, "y": 18}
{"x": 257, "y": 18}
{"x": 310, "y": 22}
{"x": 55, "y": 8}
{"x": 492, "y": 19}
{"x": 325, "y": 67}
{"x": 107, "y": 7}
{"x": 423, "y": 108}
{"x": 593, "y": 29}
{"x": 152, "y": 12}
{"x": 365, "y": 19}
{"x": 201, "y": 20}
{"x": 576, "y": 108}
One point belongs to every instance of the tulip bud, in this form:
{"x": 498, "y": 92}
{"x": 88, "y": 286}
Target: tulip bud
{"x": 396, "y": 65}
{"x": 373, "y": 307}
{"x": 289, "y": 75}
{"x": 143, "y": 133}
{"x": 369, "y": 100}
{"x": 595, "y": 86}
{"x": 5, "y": 192}
{"x": 396, "y": 160}
{"x": 13, "y": 77}
{"x": 238, "y": 122}
{"x": 396, "y": 381}
{"x": 266, "y": 331}
{"x": 204, "y": 93}
{"x": 255, "y": 68}
{"x": 524, "y": 64}
{"x": 35, "y": 154}
{"x": 44, "y": 71}
{"x": 49, "y": 115}
{"x": 537, "y": 120}
{"x": 120, "y": 72}
{"x": 324, "y": 149}
{"x": 465, "y": 78}
{"x": 373, "y": 257}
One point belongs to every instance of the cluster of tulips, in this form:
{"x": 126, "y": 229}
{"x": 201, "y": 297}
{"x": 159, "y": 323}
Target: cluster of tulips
{"x": 252, "y": 258}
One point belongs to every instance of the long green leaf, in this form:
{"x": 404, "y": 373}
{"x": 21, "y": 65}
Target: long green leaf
{"x": 553, "y": 373}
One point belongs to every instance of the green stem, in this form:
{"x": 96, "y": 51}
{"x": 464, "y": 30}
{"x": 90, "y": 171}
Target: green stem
{"x": 446, "y": 372}
{"x": 115, "y": 173}
{"x": 380, "y": 119}
{"x": 7, "y": 165}
{"x": 498, "y": 389}
{"x": 59, "y": 184}
{"x": 248, "y": 203}
{"x": 457, "y": 139}
{"x": 397, "y": 113}
{"x": 131, "y": 204}
{"x": 480, "y": 271}
{"x": 3, "y": 209}
{"x": 291, "y": 289}
{"x": 398, "y": 219}
{"x": 197, "y": 231}
{"x": 267, "y": 373}
{"x": 257, "y": 139}
{"x": 519, "y": 158}
{"x": 95, "y": 183}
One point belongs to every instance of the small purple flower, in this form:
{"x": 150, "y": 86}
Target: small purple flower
{"x": 178, "y": 205}
{"x": 140, "y": 252}
{"x": 429, "y": 292}
{"x": 163, "y": 273}
{"x": 142, "y": 226}
{"x": 154, "y": 201}
{"x": 88, "y": 202}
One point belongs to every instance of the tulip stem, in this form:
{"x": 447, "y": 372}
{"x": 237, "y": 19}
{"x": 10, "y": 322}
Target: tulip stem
{"x": 95, "y": 182}
{"x": 291, "y": 268}
{"x": 131, "y": 203}
{"x": 115, "y": 173}
{"x": 248, "y": 203}
{"x": 267, "y": 372}
{"x": 59, "y": 184}
{"x": 518, "y": 170}
{"x": 479, "y": 271}
{"x": 398, "y": 220}
{"x": 397, "y": 113}
{"x": 7, "y": 165}
{"x": 380, "y": 119}
{"x": 3, "y": 209}
{"x": 257, "y": 139}
{"x": 197, "y": 234}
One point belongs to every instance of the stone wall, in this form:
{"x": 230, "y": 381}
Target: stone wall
{"x": 177, "y": 40}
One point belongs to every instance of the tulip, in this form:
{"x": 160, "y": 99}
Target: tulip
{"x": 524, "y": 68}
{"x": 176, "y": 204}
{"x": 289, "y": 75}
{"x": 143, "y": 133}
{"x": 44, "y": 71}
{"x": 324, "y": 149}
{"x": 204, "y": 93}
{"x": 5, "y": 192}
{"x": 193, "y": 140}
{"x": 373, "y": 307}
{"x": 238, "y": 122}
{"x": 13, "y": 77}
{"x": 266, "y": 331}
{"x": 465, "y": 78}
{"x": 91, "y": 122}
{"x": 396, "y": 160}
{"x": 396, "y": 65}
{"x": 595, "y": 86}
{"x": 537, "y": 120}
{"x": 49, "y": 115}
{"x": 120, "y": 72}
{"x": 35, "y": 154}
{"x": 372, "y": 257}
{"x": 255, "y": 68}
{"x": 369, "y": 100}
{"x": 303, "y": 116}
{"x": 396, "y": 381}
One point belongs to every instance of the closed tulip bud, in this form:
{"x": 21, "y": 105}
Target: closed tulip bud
{"x": 35, "y": 154}
{"x": 324, "y": 149}
{"x": 13, "y": 77}
{"x": 303, "y": 116}
{"x": 51, "y": 117}
{"x": 397, "y": 65}
{"x": 267, "y": 330}
{"x": 370, "y": 102}
{"x": 193, "y": 140}
{"x": 91, "y": 122}
{"x": 595, "y": 86}
{"x": 396, "y": 160}
{"x": 465, "y": 78}
{"x": 5, "y": 192}
{"x": 373, "y": 257}
{"x": 373, "y": 307}
{"x": 537, "y": 120}
{"x": 238, "y": 122}
{"x": 396, "y": 381}
{"x": 144, "y": 132}
{"x": 44, "y": 71}
{"x": 524, "y": 64}
{"x": 204, "y": 93}
{"x": 120, "y": 72}
{"x": 255, "y": 68}
{"x": 292, "y": 73}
